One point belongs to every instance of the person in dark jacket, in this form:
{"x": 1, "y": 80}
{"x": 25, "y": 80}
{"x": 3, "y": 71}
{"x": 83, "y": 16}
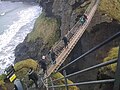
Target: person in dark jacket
{"x": 53, "y": 56}
{"x": 85, "y": 17}
{"x": 33, "y": 76}
{"x": 65, "y": 40}
{"x": 43, "y": 64}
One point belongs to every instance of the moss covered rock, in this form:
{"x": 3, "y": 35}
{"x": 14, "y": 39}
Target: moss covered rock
{"x": 46, "y": 28}
{"x": 37, "y": 43}
{"x": 113, "y": 53}
{"x": 111, "y": 7}
{"x": 22, "y": 67}
{"x": 2, "y": 85}
{"x": 60, "y": 82}
{"x": 110, "y": 69}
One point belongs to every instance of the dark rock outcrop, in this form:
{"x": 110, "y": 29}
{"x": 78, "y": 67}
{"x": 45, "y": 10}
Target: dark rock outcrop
{"x": 27, "y": 50}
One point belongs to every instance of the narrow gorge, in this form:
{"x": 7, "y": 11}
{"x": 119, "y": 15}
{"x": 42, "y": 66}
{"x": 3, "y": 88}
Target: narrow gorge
{"x": 57, "y": 18}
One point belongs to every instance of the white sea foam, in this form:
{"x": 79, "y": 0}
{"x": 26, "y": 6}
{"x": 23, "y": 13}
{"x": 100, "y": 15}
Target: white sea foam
{"x": 16, "y": 34}
{"x": 2, "y": 14}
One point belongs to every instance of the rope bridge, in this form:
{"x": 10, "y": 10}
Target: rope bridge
{"x": 73, "y": 35}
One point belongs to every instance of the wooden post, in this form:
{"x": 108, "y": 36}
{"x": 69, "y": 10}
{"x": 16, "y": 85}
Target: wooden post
{"x": 64, "y": 73}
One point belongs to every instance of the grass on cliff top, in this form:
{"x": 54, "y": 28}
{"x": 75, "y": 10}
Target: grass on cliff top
{"x": 111, "y": 7}
{"x": 60, "y": 82}
{"x": 112, "y": 54}
{"x": 46, "y": 28}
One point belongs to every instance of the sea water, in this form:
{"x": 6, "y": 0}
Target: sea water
{"x": 16, "y": 21}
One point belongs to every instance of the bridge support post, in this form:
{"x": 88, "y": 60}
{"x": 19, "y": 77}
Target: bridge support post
{"x": 66, "y": 85}
{"x": 117, "y": 74}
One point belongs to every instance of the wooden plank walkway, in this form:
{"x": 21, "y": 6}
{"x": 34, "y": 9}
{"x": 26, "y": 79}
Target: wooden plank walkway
{"x": 73, "y": 41}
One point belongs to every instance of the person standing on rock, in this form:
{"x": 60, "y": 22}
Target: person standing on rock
{"x": 33, "y": 76}
{"x": 43, "y": 64}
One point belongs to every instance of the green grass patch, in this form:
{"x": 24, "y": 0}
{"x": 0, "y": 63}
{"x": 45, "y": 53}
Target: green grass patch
{"x": 46, "y": 28}
{"x": 2, "y": 85}
{"x": 2, "y": 77}
{"x": 112, "y": 54}
{"x": 111, "y": 7}
{"x": 23, "y": 67}
{"x": 61, "y": 82}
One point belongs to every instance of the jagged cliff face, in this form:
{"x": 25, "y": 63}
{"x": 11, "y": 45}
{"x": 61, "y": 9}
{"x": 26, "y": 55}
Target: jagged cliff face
{"x": 61, "y": 16}
{"x": 40, "y": 40}
{"x": 67, "y": 12}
